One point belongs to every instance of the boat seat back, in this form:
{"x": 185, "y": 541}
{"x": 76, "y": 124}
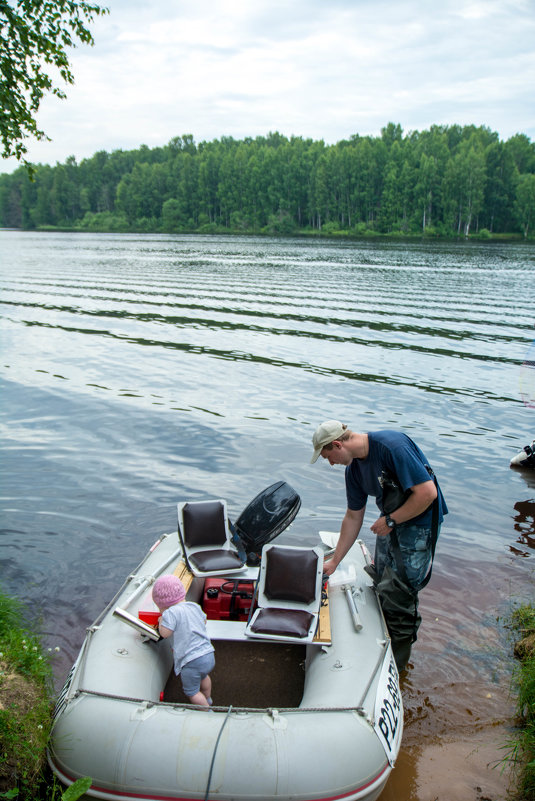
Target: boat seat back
{"x": 204, "y": 534}
{"x": 289, "y": 594}
{"x": 290, "y": 575}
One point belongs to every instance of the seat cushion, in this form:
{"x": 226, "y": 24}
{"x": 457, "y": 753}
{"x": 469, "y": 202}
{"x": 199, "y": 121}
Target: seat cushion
{"x": 282, "y": 622}
{"x": 291, "y": 575}
{"x": 204, "y": 524}
{"x": 208, "y": 561}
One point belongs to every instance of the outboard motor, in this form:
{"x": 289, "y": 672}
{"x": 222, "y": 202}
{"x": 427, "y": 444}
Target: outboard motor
{"x": 265, "y": 518}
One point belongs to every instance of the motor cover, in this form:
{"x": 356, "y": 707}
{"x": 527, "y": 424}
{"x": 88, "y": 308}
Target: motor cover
{"x": 266, "y": 517}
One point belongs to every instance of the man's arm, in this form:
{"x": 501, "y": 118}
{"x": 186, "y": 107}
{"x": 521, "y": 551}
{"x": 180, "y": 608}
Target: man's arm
{"x": 421, "y": 497}
{"x": 349, "y": 531}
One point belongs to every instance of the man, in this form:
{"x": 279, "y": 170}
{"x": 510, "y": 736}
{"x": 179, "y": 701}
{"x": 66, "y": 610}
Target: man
{"x": 367, "y": 457}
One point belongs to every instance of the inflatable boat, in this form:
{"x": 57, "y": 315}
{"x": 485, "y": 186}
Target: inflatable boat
{"x": 306, "y": 698}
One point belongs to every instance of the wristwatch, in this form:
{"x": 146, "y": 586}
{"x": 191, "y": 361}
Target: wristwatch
{"x": 389, "y": 522}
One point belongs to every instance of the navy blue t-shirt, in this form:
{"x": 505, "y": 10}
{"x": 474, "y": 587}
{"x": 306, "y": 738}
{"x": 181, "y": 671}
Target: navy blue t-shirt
{"x": 398, "y": 455}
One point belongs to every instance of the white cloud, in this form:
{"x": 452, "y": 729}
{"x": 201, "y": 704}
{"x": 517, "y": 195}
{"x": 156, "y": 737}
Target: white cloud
{"x": 315, "y": 69}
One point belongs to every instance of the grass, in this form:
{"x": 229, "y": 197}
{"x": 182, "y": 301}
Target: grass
{"x": 26, "y": 707}
{"x": 523, "y": 746}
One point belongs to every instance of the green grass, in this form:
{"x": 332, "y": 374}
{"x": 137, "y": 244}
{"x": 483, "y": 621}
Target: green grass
{"x": 26, "y": 708}
{"x": 523, "y": 745}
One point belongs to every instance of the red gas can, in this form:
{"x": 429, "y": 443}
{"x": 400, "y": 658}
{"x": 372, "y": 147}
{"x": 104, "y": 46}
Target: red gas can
{"x": 227, "y": 599}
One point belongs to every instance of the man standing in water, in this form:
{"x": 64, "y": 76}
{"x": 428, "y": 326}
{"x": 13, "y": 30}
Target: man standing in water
{"x": 368, "y": 458}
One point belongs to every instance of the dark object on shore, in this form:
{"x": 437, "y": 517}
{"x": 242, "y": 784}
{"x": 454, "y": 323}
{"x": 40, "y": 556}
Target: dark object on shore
{"x": 526, "y": 457}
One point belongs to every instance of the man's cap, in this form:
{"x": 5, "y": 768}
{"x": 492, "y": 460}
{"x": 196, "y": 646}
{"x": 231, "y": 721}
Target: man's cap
{"x": 324, "y": 434}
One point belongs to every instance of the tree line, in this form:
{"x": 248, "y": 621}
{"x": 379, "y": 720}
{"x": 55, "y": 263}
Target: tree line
{"x": 445, "y": 181}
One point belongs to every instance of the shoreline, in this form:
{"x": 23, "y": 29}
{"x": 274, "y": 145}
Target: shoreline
{"x": 335, "y": 236}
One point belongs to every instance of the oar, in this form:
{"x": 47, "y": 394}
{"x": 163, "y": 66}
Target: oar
{"x": 352, "y": 607}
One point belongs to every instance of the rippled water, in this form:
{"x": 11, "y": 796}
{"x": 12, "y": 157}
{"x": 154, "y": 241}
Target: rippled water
{"x": 138, "y": 371}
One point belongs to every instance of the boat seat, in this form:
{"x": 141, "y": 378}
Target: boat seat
{"x": 205, "y": 537}
{"x": 288, "y": 594}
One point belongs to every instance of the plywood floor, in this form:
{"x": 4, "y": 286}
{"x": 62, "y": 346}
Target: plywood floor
{"x": 255, "y": 675}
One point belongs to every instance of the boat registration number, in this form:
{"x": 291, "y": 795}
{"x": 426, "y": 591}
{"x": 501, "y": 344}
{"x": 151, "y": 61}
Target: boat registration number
{"x": 389, "y": 708}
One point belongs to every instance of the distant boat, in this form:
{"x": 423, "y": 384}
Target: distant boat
{"x": 526, "y": 457}
{"x": 316, "y": 715}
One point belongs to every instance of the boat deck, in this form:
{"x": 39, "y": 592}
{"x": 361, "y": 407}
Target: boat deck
{"x": 249, "y": 674}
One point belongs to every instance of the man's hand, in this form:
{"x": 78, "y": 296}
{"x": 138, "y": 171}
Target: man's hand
{"x": 421, "y": 497}
{"x": 329, "y": 567}
{"x": 349, "y": 531}
{"x": 380, "y": 527}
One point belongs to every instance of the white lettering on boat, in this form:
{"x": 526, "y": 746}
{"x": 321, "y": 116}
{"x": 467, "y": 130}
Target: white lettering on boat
{"x": 388, "y": 709}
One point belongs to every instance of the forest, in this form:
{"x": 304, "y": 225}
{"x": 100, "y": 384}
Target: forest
{"x": 448, "y": 181}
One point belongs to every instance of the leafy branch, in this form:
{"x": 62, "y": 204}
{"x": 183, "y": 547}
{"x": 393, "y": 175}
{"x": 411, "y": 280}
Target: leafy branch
{"x": 34, "y": 37}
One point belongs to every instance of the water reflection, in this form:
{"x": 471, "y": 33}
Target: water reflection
{"x": 526, "y": 473}
{"x": 384, "y": 324}
{"x": 524, "y": 517}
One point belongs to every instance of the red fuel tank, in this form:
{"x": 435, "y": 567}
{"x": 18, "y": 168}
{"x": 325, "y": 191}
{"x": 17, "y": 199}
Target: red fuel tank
{"x": 227, "y": 599}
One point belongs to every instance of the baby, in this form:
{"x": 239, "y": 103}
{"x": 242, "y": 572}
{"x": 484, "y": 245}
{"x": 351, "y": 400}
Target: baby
{"x": 192, "y": 650}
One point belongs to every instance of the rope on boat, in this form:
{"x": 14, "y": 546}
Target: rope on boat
{"x": 149, "y": 704}
{"x": 215, "y": 751}
{"x": 378, "y": 664}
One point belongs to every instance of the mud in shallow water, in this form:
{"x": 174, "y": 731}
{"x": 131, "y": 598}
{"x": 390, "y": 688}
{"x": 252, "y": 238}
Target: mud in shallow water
{"x": 457, "y": 693}
{"x": 466, "y": 769}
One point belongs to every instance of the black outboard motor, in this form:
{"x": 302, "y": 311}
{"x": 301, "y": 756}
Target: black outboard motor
{"x": 265, "y": 518}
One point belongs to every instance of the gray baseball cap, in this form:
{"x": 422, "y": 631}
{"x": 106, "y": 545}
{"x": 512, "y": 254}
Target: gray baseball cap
{"x": 324, "y": 434}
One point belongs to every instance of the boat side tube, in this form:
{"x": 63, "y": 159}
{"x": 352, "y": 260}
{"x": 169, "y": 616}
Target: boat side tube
{"x": 155, "y": 751}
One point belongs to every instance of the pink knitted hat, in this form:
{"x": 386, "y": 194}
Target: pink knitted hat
{"x": 168, "y": 591}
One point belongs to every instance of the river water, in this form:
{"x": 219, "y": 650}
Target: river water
{"x": 138, "y": 371}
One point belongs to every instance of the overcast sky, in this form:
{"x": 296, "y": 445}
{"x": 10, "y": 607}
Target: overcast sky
{"x": 324, "y": 69}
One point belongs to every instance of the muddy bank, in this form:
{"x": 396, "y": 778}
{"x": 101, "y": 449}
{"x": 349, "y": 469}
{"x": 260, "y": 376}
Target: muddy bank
{"x": 457, "y": 692}
{"x": 465, "y": 769}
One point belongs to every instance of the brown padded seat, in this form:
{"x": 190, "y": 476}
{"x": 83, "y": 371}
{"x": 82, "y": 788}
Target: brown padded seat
{"x": 204, "y": 524}
{"x": 216, "y": 560}
{"x": 289, "y": 580}
{"x": 203, "y": 532}
{"x": 291, "y": 575}
{"x": 283, "y": 622}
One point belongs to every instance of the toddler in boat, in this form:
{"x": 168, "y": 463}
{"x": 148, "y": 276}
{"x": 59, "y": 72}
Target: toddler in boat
{"x": 193, "y": 652}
